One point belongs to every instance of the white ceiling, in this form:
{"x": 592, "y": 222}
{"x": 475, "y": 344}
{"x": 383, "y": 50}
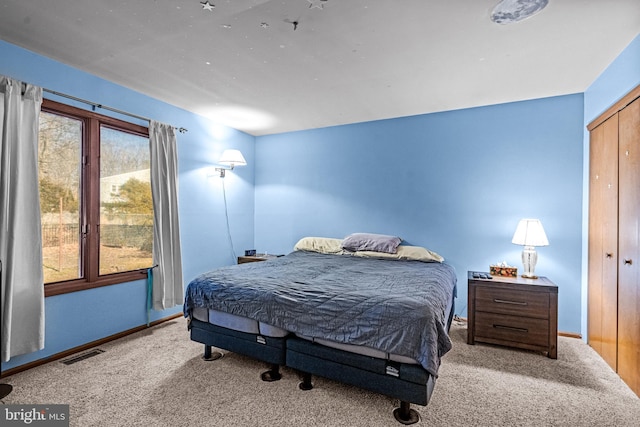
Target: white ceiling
{"x": 245, "y": 65}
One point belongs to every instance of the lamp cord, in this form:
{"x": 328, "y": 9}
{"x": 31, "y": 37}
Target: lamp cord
{"x": 226, "y": 215}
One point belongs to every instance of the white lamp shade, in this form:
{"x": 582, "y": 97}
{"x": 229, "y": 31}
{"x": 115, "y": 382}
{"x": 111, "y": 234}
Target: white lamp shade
{"x": 232, "y": 158}
{"x": 530, "y": 233}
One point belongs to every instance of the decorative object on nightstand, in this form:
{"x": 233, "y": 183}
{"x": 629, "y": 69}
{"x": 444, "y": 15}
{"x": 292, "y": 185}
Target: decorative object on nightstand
{"x": 514, "y": 312}
{"x": 530, "y": 234}
{"x": 503, "y": 269}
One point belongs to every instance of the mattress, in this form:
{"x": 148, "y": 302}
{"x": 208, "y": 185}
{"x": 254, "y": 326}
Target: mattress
{"x": 367, "y": 351}
{"x": 366, "y": 306}
{"x": 251, "y": 326}
{"x": 238, "y": 323}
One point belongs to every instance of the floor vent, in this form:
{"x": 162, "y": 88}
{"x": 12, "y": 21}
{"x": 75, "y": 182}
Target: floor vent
{"x": 83, "y": 356}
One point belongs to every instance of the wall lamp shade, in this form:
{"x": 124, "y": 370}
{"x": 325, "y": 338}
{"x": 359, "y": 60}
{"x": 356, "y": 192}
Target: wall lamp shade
{"x": 230, "y": 158}
{"x": 530, "y": 234}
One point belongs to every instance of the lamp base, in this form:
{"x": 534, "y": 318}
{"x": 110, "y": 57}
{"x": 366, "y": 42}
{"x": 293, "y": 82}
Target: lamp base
{"x": 529, "y": 260}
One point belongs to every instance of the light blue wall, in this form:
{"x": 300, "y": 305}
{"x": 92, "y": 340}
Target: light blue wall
{"x": 456, "y": 182}
{"x": 622, "y": 75}
{"x": 77, "y": 318}
{"x": 618, "y": 79}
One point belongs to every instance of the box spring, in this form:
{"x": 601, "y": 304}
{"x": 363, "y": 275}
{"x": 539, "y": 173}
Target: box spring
{"x": 267, "y": 349}
{"x": 407, "y": 382}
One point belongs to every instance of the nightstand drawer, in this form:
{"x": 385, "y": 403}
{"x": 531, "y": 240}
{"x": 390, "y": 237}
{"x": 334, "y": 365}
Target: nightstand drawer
{"x": 512, "y": 302}
{"x": 499, "y": 327}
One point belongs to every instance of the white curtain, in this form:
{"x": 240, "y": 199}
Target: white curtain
{"x": 167, "y": 274}
{"x": 20, "y": 229}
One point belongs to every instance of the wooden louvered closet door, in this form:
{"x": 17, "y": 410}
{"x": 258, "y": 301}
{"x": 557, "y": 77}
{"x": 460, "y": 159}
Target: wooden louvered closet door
{"x": 629, "y": 246}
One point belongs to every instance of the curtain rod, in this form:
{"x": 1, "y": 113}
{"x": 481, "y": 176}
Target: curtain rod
{"x": 104, "y": 107}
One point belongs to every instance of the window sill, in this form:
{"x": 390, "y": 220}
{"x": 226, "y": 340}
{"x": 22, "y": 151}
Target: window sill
{"x": 83, "y": 285}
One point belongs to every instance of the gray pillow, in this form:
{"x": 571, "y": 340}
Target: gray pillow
{"x": 371, "y": 242}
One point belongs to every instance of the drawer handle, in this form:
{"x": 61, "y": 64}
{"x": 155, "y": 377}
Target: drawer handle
{"x": 511, "y": 328}
{"x": 609, "y": 255}
{"x": 502, "y": 301}
{"x": 628, "y": 262}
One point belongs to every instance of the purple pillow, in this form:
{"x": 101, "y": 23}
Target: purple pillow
{"x": 371, "y": 242}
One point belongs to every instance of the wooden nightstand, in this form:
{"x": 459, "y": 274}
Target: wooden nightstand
{"x": 514, "y": 312}
{"x": 256, "y": 258}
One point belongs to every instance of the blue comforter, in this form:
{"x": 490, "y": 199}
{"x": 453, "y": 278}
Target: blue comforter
{"x": 390, "y": 305}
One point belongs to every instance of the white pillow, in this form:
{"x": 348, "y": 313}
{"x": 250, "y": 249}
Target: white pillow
{"x": 323, "y": 245}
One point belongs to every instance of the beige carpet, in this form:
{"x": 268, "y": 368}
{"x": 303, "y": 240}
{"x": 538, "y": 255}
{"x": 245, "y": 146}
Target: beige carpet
{"x": 157, "y": 378}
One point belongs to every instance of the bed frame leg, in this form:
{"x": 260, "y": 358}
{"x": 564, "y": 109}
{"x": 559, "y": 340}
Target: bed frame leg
{"x": 211, "y": 355}
{"x": 272, "y": 374}
{"x": 306, "y": 383}
{"x": 405, "y": 415}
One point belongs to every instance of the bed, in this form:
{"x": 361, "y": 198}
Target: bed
{"x": 377, "y": 319}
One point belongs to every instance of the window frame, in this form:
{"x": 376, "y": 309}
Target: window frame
{"x": 90, "y": 199}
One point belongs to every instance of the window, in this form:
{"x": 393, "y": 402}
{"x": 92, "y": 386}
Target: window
{"x": 95, "y": 199}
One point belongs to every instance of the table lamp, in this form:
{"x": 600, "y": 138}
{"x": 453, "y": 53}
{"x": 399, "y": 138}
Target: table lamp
{"x": 530, "y": 234}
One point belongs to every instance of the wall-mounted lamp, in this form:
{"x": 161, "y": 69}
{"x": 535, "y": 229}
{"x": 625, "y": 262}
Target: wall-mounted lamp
{"x": 530, "y": 234}
{"x": 230, "y": 158}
